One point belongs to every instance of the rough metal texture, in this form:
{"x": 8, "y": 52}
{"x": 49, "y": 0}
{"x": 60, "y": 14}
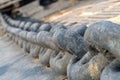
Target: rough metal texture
{"x": 87, "y": 69}
{"x": 44, "y": 41}
{"x": 112, "y": 71}
{"x": 70, "y": 40}
{"x": 59, "y": 62}
{"x": 45, "y": 57}
{"x": 74, "y": 52}
{"x": 104, "y": 35}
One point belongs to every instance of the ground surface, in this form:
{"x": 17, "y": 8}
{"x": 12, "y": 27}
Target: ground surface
{"x": 36, "y": 11}
{"x": 88, "y": 11}
{"x": 15, "y": 64}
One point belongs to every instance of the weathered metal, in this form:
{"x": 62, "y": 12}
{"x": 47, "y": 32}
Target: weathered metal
{"x": 78, "y": 52}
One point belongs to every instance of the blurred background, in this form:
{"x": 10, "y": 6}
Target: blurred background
{"x": 38, "y": 8}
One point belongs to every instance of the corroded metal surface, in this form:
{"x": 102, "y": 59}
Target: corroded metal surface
{"x": 66, "y": 50}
